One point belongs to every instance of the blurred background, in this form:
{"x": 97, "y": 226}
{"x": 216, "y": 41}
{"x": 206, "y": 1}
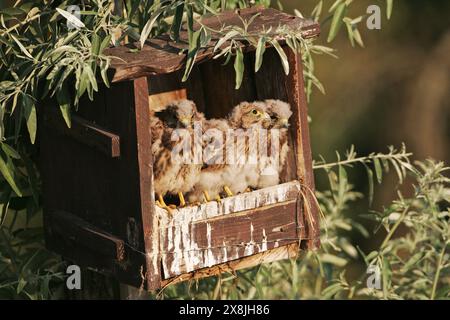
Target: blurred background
{"x": 394, "y": 90}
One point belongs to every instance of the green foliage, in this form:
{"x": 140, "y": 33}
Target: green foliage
{"x": 414, "y": 255}
{"x": 41, "y": 58}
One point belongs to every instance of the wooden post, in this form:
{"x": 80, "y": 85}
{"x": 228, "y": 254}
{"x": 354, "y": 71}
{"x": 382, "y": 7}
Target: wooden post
{"x": 297, "y": 98}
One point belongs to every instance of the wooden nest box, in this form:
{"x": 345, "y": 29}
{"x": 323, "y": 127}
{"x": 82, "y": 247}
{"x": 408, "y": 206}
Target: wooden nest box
{"x": 99, "y": 206}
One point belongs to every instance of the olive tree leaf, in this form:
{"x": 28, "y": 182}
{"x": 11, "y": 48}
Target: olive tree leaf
{"x": 7, "y": 169}
{"x": 149, "y": 26}
{"x": 337, "y": 21}
{"x": 71, "y": 18}
{"x": 63, "y": 98}
{"x": 239, "y": 67}
{"x": 10, "y": 151}
{"x": 370, "y": 180}
{"x": 176, "y": 25}
{"x": 378, "y": 169}
{"x": 282, "y": 54}
{"x": 194, "y": 46}
{"x": 260, "y": 49}
{"x": 29, "y": 113}
{"x": 22, "y": 47}
{"x": 389, "y": 5}
{"x": 229, "y": 35}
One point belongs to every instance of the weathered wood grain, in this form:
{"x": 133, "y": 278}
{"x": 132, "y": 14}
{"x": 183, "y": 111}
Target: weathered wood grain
{"x": 85, "y": 132}
{"x": 289, "y": 251}
{"x": 161, "y": 55}
{"x": 202, "y": 236}
{"x": 76, "y": 230}
{"x": 309, "y": 216}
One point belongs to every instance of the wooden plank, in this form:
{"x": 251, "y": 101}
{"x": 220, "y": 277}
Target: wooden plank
{"x": 79, "y": 231}
{"x": 289, "y": 251}
{"x": 146, "y": 199}
{"x": 230, "y": 238}
{"x": 84, "y": 132}
{"x": 302, "y": 146}
{"x": 201, "y": 236}
{"x": 161, "y": 55}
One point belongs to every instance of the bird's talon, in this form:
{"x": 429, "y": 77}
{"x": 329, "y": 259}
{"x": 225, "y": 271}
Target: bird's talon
{"x": 161, "y": 201}
{"x": 182, "y": 201}
{"x": 228, "y": 191}
{"x": 206, "y": 196}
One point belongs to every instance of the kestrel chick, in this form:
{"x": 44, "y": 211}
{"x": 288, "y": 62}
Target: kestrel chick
{"x": 272, "y": 165}
{"x": 172, "y": 176}
{"x": 252, "y": 117}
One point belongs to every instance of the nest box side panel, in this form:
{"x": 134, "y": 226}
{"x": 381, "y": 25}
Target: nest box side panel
{"x": 75, "y": 180}
{"x": 127, "y": 114}
{"x": 103, "y": 198}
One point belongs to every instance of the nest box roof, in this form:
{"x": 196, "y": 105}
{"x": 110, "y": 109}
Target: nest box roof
{"x": 162, "y": 55}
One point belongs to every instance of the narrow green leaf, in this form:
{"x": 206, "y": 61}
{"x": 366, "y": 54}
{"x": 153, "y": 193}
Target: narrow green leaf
{"x": 95, "y": 47}
{"x": 239, "y": 67}
{"x": 335, "y": 260}
{"x": 334, "y": 6}
{"x": 260, "y": 49}
{"x": 30, "y": 116}
{"x": 71, "y": 18}
{"x": 7, "y": 170}
{"x": 205, "y": 37}
{"x": 282, "y": 54}
{"x": 9, "y": 151}
{"x": 398, "y": 170}
{"x": 337, "y": 21}
{"x": 350, "y": 33}
{"x": 389, "y": 5}
{"x": 225, "y": 38}
{"x": 342, "y": 181}
{"x": 358, "y": 38}
{"x": 105, "y": 43}
{"x": 176, "y": 25}
{"x": 192, "y": 54}
{"x": 378, "y": 169}
{"x": 91, "y": 77}
{"x": 370, "y": 180}
{"x": 22, "y": 283}
{"x": 149, "y": 26}
{"x": 22, "y": 48}
{"x": 63, "y": 98}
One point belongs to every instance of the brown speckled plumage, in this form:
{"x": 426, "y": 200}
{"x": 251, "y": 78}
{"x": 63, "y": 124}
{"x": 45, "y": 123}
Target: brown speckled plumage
{"x": 171, "y": 177}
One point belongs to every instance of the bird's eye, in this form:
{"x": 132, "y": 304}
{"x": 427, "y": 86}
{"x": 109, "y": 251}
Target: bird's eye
{"x": 273, "y": 117}
{"x": 254, "y": 111}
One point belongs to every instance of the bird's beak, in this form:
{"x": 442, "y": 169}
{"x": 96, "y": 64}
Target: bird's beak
{"x": 186, "y": 122}
{"x": 284, "y": 123}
